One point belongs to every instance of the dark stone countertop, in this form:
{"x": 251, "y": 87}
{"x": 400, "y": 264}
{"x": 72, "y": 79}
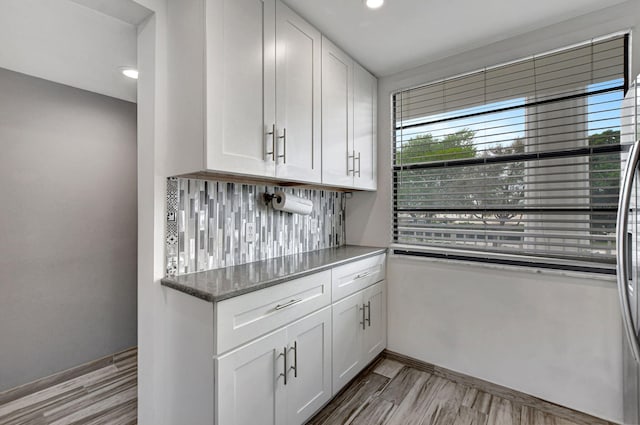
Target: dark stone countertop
{"x": 228, "y": 282}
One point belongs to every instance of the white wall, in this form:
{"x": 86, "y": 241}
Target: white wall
{"x": 67, "y": 43}
{"x": 573, "y": 330}
{"x": 68, "y": 226}
{"x": 67, "y": 299}
{"x": 152, "y": 143}
{"x": 552, "y": 336}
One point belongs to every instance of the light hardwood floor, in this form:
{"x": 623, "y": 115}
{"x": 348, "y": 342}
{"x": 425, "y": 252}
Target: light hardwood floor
{"x": 101, "y": 392}
{"x": 393, "y": 391}
{"x": 404, "y": 392}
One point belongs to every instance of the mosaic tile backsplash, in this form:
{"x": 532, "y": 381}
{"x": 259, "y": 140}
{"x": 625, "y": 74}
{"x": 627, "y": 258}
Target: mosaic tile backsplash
{"x": 206, "y": 224}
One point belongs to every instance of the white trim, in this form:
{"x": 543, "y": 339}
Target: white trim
{"x": 500, "y": 256}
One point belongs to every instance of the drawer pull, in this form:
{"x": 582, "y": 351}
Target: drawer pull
{"x": 284, "y": 145}
{"x": 284, "y": 354}
{"x": 351, "y": 157}
{"x": 272, "y": 133}
{"x": 288, "y": 304}
{"x": 295, "y": 359}
{"x": 361, "y": 275}
{"x": 368, "y": 305}
{"x": 364, "y": 320}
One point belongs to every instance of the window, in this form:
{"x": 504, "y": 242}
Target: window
{"x": 519, "y": 163}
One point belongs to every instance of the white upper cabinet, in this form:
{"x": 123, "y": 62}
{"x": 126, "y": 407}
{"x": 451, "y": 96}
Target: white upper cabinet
{"x": 240, "y": 81}
{"x": 221, "y": 86}
{"x": 298, "y": 85}
{"x": 263, "y": 91}
{"x": 244, "y": 90}
{"x": 254, "y": 90}
{"x": 349, "y": 96}
{"x": 365, "y": 101}
{"x": 337, "y": 116}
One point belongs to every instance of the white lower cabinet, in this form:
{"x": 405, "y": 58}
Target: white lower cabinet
{"x": 375, "y": 333}
{"x": 309, "y": 384}
{"x": 250, "y": 389}
{"x": 359, "y": 332}
{"x": 282, "y": 378}
{"x": 347, "y": 340}
{"x": 277, "y": 355}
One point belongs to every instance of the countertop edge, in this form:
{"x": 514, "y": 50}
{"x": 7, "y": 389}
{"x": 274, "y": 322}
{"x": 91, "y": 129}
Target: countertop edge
{"x": 206, "y": 296}
{"x": 169, "y": 283}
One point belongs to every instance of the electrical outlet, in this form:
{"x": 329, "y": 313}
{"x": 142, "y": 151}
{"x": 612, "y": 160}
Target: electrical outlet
{"x": 250, "y": 232}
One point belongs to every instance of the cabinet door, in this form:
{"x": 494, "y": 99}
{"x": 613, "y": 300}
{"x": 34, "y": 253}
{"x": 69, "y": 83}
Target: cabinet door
{"x": 365, "y": 89}
{"x": 240, "y": 80}
{"x": 250, "y": 389}
{"x": 309, "y": 381}
{"x": 298, "y": 106}
{"x": 347, "y": 340}
{"x": 337, "y": 116}
{"x": 375, "y": 334}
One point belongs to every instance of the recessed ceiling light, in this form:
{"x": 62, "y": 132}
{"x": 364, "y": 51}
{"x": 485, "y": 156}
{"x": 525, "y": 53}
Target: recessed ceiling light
{"x": 130, "y": 72}
{"x": 374, "y": 4}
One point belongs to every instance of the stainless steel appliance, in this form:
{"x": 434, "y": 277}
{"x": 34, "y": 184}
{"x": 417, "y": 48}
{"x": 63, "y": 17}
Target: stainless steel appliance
{"x": 627, "y": 277}
{"x": 628, "y": 265}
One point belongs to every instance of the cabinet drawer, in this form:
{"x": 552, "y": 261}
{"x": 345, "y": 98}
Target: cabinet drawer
{"x": 249, "y": 316}
{"x": 350, "y": 278}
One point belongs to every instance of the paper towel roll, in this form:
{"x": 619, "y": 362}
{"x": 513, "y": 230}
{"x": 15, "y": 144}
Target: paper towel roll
{"x": 291, "y": 204}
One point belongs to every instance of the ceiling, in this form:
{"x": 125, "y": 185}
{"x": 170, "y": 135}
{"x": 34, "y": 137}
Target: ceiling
{"x": 403, "y": 34}
{"x": 79, "y": 43}
{"x": 125, "y": 10}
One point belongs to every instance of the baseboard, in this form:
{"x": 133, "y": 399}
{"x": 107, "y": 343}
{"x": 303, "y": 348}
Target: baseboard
{"x": 499, "y": 390}
{"x": 57, "y": 378}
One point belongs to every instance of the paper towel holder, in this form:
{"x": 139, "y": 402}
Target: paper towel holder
{"x": 288, "y": 203}
{"x": 268, "y": 197}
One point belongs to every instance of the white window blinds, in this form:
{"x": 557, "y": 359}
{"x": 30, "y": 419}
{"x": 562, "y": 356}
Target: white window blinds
{"x": 520, "y": 160}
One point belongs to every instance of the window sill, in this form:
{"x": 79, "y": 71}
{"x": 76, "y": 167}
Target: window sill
{"x": 500, "y": 264}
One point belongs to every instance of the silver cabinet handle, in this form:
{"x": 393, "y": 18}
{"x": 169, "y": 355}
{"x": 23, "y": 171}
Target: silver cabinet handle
{"x": 272, "y": 133}
{"x": 288, "y": 304}
{"x": 354, "y": 164}
{"x": 295, "y": 359}
{"x": 284, "y": 354}
{"x": 284, "y": 145}
{"x": 622, "y": 249}
{"x": 351, "y": 159}
{"x": 361, "y": 275}
{"x": 369, "y": 313}
{"x": 363, "y": 323}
